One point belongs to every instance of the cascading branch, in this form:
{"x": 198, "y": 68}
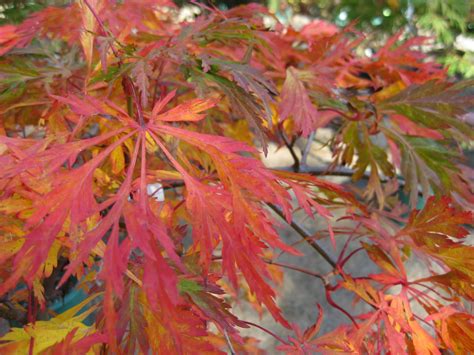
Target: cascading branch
{"x": 129, "y": 146}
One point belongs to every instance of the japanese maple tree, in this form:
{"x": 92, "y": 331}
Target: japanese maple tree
{"x": 130, "y": 168}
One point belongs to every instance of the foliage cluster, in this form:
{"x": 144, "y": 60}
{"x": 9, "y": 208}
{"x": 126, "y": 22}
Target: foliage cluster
{"x": 444, "y": 20}
{"x": 129, "y": 151}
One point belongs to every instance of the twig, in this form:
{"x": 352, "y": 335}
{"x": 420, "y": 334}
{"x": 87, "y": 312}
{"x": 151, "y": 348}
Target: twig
{"x": 290, "y": 146}
{"x": 318, "y": 171}
{"x": 335, "y": 305}
{"x": 229, "y": 343}
{"x": 307, "y": 149}
{"x": 305, "y": 235}
{"x": 281, "y": 340}
{"x": 351, "y": 254}
{"x": 296, "y": 268}
{"x": 339, "y": 171}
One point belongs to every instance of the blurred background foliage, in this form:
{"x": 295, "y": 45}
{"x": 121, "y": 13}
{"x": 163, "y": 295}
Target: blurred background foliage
{"x": 450, "y": 22}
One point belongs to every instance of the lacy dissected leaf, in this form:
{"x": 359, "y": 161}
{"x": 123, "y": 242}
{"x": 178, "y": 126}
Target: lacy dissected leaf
{"x": 89, "y": 26}
{"x": 304, "y": 340}
{"x": 358, "y": 143}
{"x": 438, "y": 219}
{"x": 425, "y": 163}
{"x": 329, "y": 193}
{"x": 59, "y": 22}
{"x": 403, "y": 62}
{"x": 296, "y": 103}
{"x": 113, "y": 181}
{"x": 141, "y": 72}
{"x": 187, "y": 111}
{"x": 251, "y": 80}
{"x": 206, "y": 301}
{"x": 234, "y": 215}
{"x": 382, "y": 260}
{"x": 223, "y": 28}
{"x": 72, "y": 197}
{"x": 435, "y": 105}
{"x": 433, "y": 230}
{"x": 454, "y": 282}
{"x": 234, "y": 218}
{"x": 243, "y": 103}
{"x": 180, "y": 331}
{"x": 456, "y": 329}
{"x": 401, "y": 333}
{"x": 47, "y": 333}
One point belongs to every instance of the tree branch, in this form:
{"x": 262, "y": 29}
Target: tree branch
{"x": 307, "y": 149}
{"x": 280, "y": 339}
{"x": 305, "y": 235}
{"x": 297, "y": 268}
{"x": 290, "y": 146}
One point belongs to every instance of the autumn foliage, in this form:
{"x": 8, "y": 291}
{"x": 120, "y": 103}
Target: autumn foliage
{"x": 130, "y": 168}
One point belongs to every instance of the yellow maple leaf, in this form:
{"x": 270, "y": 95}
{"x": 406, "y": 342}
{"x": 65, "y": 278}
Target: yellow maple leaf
{"x": 48, "y": 333}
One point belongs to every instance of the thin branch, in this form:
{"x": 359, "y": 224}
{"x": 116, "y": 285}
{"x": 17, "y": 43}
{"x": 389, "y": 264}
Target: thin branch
{"x": 290, "y": 146}
{"x": 317, "y": 171}
{"x": 305, "y": 235}
{"x": 307, "y": 149}
{"x": 346, "y": 259}
{"x": 338, "y": 171}
{"x": 229, "y": 343}
{"x": 335, "y": 305}
{"x": 281, "y": 340}
{"x": 296, "y": 268}
{"x": 446, "y": 298}
{"x": 298, "y": 242}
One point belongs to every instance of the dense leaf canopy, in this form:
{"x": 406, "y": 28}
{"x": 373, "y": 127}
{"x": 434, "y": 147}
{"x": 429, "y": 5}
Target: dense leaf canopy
{"x": 129, "y": 146}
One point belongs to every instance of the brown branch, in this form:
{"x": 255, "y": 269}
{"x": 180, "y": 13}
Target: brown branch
{"x": 281, "y": 340}
{"x": 307, "y": 149}
{"x": 290, "y": 146}
{"x": 297, "y": 268}
{"x": 305, "y": 235}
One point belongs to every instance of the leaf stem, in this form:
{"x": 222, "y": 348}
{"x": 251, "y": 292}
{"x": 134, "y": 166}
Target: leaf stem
{"x": 335, "y": 305}
{"x": 346, "y": 259}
